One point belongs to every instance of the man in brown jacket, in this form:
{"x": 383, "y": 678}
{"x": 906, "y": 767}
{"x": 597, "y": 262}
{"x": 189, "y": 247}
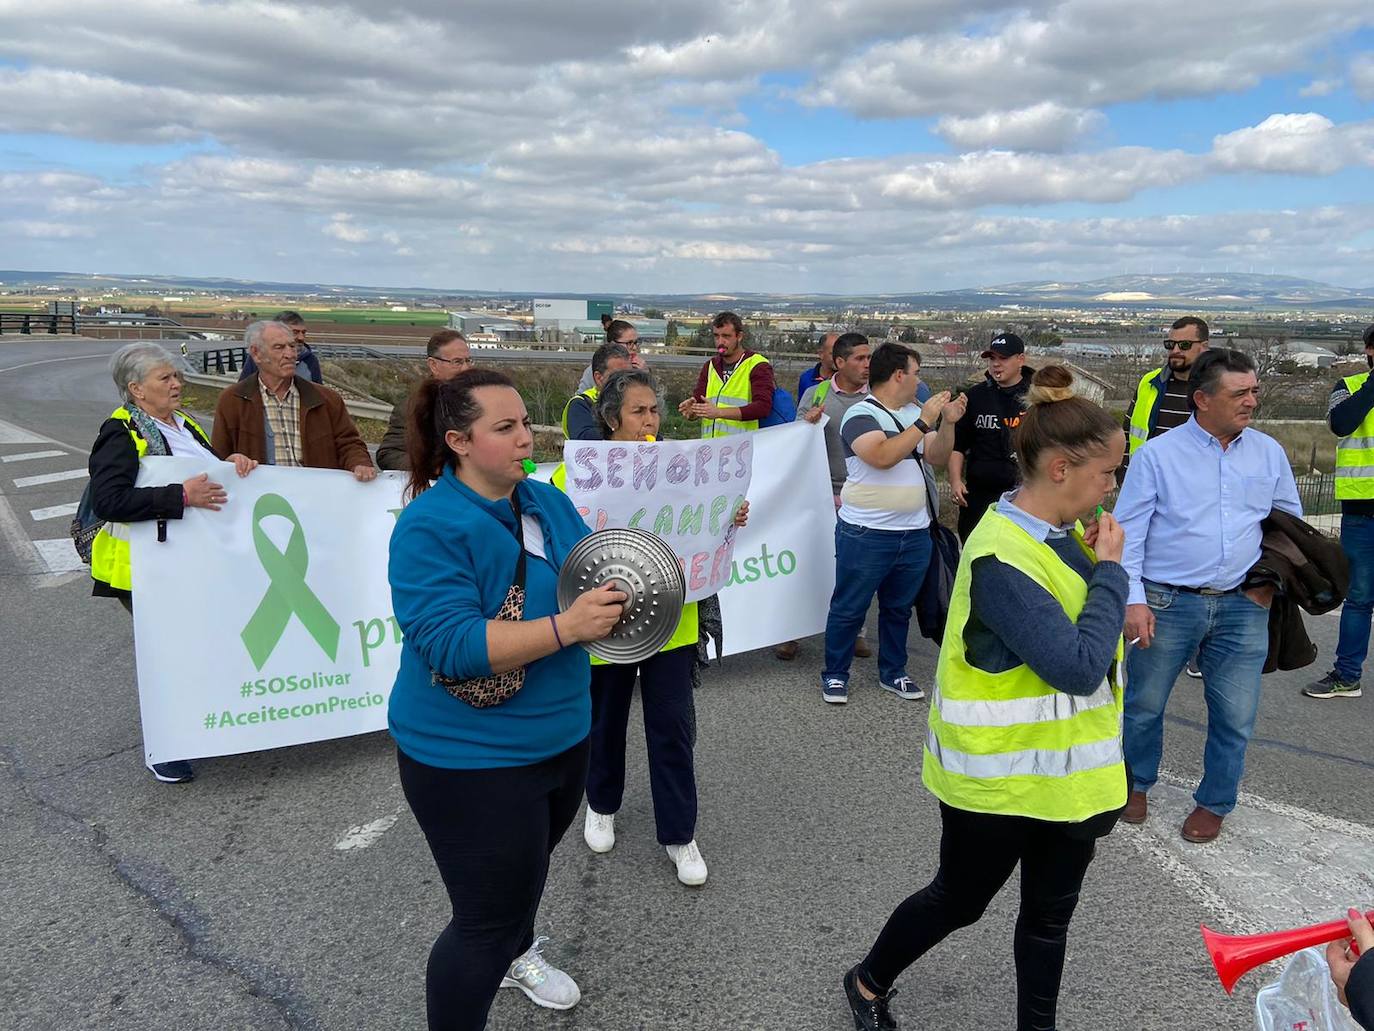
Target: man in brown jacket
{"x": 282, "y": 419}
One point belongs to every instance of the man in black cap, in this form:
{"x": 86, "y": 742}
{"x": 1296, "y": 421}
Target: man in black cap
{"x": 983, "y": 465}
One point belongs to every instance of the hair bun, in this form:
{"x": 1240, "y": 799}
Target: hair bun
{"x": 1050, "y": 384}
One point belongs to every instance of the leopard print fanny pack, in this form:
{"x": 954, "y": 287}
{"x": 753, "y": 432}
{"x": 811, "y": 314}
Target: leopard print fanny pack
{"x": 484, "y": 692}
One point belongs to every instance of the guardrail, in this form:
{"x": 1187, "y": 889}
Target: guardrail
{"x": 28, "y": 322}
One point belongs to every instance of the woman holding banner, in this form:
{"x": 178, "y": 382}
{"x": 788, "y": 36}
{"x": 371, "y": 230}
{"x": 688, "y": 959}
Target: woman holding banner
{"x": 628, "y": 409}
{"x": 148, "y": 422}
{"x": 491, "y": 708}
{"x": 1024, "y": 745}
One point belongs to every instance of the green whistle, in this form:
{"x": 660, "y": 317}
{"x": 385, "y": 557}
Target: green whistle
{"x": 530, "y": 468}
{"x": 1098, "y": 514}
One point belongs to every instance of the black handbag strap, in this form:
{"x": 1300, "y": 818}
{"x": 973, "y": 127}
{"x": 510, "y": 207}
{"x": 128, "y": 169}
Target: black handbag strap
{"x": 519, "y": 580}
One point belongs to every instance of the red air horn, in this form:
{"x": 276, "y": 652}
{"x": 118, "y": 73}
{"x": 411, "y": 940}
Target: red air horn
{"x": 1235, "y": 955}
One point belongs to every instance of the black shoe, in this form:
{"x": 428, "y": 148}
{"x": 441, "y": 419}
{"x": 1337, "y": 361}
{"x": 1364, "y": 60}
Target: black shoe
{"x": 869, "y": 1014}
{"x": 178, "y": 771}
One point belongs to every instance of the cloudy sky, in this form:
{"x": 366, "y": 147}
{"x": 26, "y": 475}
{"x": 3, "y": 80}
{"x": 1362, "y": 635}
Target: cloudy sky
{"x": 688, "y": 145}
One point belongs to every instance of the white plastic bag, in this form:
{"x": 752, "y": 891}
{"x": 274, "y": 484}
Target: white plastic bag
{"x": 1303, "y": 998}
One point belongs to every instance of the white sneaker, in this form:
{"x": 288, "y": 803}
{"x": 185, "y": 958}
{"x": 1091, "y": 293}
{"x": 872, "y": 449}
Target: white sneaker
{"x": 545, "y": 985}
{"x": 599, "y": 831}
{"x": 691, "y": 868}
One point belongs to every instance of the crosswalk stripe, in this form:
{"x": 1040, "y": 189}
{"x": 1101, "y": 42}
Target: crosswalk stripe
{"x": 12, "y": 434}
{"x": 28, "y": 456}
{"x": 53, "y": 512}
{"x": 34, "y": 481}
{"x": 59, "y": 555}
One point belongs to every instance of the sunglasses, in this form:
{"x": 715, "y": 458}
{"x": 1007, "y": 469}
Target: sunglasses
{"x": 1182, "y": 345}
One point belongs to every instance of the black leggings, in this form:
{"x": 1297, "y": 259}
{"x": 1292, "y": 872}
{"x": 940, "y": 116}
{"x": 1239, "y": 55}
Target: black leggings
{"x": 491, "y": 832}
{"x": 977, "y": 854}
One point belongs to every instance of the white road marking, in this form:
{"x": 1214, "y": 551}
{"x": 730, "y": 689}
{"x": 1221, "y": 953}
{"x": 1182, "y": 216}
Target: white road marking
{"x": 12, "y": 532}
{"x": 366, "y": 834}
{"x": 51, "y": 361}
{"x": 29, "y": 456}
{"x": 34, "y": 481}
{"x": 12, "y": 434}
{"x": 1275, "y": 865}
{"x": 39, "y": 514}
{"x": 60, "y": 555}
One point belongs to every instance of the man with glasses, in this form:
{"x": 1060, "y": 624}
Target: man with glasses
{"x": 446, "y": 355}
{"x": 1161, "y": 400}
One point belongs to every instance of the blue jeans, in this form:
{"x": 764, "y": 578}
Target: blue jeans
{"x": 889, "y": 563}
{"x": 1230, "y": 634}
{"x": 1357, "y": 538}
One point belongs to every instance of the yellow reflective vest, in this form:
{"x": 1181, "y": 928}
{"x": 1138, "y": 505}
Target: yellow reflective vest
{"x": 1143, "y": 410}
{"x": 730, "y": 393}
{"x": 687, "y": 627}
{"x": 1355, "y": 454}
{"x": 1009, "y": 743}
{"x": 110, "y": 549}
{"x": 590, "y": 394}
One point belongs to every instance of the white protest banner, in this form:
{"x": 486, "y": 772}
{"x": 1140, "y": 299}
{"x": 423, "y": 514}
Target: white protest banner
{"x": 783, "y": 571}
{"x": 269, "y": 622}
{"x": 684, "y": 491}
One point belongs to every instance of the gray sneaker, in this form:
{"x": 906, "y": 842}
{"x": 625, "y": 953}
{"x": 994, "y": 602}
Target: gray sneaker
{"x": 1332, "y": 686}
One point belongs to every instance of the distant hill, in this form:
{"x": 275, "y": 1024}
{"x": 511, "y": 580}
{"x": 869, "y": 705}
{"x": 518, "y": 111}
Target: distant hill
{"x": 1226, "y": 291}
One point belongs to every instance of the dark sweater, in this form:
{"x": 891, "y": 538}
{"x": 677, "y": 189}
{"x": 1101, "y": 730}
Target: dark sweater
{"x": 1014, "y": 621}
{"x": 1344, "y": 413}
{"x": 760, "y": 387}
{"x": 1359, "y": 990}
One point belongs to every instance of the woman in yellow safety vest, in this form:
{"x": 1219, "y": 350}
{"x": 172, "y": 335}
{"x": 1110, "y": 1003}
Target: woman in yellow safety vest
{"x": 627, "y": 409}
{"x": 1023, "y": 749}
{"x": 149, "y": 422}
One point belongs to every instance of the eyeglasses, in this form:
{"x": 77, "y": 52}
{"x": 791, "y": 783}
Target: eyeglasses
{"x": 460, "y": 362}
{"x": 1182, "y": 345}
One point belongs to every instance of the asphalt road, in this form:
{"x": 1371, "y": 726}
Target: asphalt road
{"x": 228, "y": 903}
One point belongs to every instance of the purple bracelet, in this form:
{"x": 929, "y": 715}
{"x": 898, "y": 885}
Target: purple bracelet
{"x": 554, "y": 623}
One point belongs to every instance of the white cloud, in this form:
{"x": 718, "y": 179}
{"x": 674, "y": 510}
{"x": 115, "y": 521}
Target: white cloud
{"x": 1320, "y": 88}
{"x": 342, "y": 228}
{"x": 1047, "y": 127}
{"x": 1294, "y": 144}
{"x": 1362, "y": 76}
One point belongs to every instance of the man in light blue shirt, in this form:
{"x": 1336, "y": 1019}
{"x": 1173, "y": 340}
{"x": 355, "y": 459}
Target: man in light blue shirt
{"x": 1191, "y": 508}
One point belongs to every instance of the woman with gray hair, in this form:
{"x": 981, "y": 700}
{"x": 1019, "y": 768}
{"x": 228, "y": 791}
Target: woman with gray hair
{"x": 627, "y": 408}
{"x": 147, "y": 423}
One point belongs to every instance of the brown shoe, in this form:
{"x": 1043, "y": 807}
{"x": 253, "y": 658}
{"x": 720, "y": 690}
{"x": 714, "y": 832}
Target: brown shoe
{"x": 1137, "y": 808}
{"x": 861, "y": 648}
{"x": 1202, "y": 826}
{"x": 787, "y": 651}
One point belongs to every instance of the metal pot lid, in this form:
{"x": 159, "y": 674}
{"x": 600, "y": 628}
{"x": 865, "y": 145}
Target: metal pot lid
{"x": 645, "y": 568}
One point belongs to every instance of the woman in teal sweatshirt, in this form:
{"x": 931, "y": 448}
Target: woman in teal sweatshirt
{"x": 493, "y": 788}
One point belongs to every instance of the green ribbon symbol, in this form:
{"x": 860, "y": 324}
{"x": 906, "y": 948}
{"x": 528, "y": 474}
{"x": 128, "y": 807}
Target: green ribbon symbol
{"x": 287, "y": 592}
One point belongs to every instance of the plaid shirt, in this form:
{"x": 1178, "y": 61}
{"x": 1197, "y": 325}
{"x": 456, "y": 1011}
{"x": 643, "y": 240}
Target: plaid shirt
{"x": 283, "y": 425}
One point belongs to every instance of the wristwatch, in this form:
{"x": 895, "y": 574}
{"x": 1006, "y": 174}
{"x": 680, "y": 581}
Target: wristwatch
{"x": 921, "y": 425}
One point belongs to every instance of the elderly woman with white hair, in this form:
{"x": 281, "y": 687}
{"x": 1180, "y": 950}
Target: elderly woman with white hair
{"x": 147, "y": 423}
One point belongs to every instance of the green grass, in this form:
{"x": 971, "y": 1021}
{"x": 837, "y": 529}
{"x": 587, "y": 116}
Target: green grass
{"x": 378, "y": 315}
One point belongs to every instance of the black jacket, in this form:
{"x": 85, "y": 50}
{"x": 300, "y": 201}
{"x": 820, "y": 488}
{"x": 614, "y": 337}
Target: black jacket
{"x": 113, "y": 466}
{"x": 1310, "y": 572}
{"x": 1359, "y": 990}
{"x": 984, "y": 435}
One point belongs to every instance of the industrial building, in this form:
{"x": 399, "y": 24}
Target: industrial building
{"x": 568, "y": 313}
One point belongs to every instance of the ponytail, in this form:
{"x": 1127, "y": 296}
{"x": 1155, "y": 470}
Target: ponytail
{"x": 436, "y": 408}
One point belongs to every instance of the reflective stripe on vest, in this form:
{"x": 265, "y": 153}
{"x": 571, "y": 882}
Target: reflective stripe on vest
{"x": 590, "y": 394}
{"x": 1009, "y": 743}
{"x": 110, "y": 562}
{"x": 1355, "y": 454}
{"x": 687, "y": 627}
{"x": 1143, "y": 410}
{"x": 734, "y": 392}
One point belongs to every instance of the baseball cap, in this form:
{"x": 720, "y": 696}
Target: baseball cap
{"x": 1005, "y": 345}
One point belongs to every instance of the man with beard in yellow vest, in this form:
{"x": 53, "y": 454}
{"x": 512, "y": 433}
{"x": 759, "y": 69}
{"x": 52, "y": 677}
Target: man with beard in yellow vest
{"x": 735, "y": 388}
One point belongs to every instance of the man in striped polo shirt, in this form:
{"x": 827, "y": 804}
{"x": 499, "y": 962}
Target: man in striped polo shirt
{"x": 882, "y": 535}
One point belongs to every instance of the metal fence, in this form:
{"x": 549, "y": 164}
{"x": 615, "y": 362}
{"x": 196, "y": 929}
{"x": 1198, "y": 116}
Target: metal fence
{"x": 27, "y": 322}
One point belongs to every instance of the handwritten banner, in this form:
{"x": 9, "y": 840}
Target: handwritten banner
{"x": 685, "y": 491}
